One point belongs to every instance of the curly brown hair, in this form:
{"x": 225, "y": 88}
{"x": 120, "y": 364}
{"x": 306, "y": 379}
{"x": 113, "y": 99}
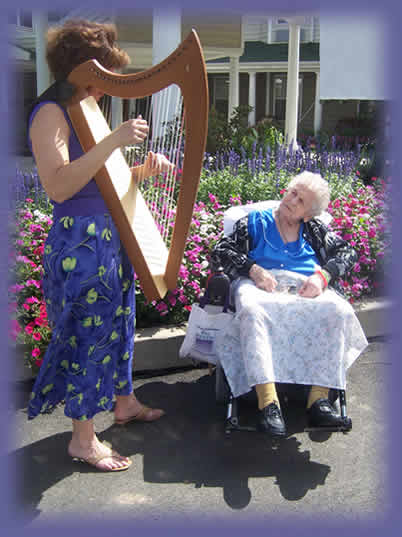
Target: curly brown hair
{"x": 77, "y": 41}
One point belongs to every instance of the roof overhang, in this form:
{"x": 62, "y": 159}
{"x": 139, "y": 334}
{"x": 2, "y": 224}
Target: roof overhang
{"x": 270, "y": 67}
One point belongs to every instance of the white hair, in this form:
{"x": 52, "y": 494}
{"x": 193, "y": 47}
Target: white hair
{"x": 317, "y": 185}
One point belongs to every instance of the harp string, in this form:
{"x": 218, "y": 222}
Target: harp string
{"x": 164, "y": 114}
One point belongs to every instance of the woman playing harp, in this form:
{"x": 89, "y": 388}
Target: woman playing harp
{"x": 88, "y": 281}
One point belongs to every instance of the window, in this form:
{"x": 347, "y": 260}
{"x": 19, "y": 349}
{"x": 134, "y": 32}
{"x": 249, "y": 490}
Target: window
{"x": 279, "y": 31}
{"x": 219, "y": 89}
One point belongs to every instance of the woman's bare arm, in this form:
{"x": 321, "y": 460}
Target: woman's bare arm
{"x": 61, "y": 178}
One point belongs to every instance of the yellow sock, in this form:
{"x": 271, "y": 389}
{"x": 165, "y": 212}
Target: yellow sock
{"x": 317, "y": 392}
{"x": 266, "y": 394}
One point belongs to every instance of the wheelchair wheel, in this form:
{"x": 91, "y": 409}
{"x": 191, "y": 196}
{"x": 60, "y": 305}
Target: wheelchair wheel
{"x": 222, "y": 390}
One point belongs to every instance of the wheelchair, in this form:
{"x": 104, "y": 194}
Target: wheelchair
{"x": 217, "y": 293}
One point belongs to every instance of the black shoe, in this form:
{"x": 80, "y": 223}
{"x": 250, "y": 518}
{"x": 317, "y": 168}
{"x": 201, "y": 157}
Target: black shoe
{"x": 270, "y": 420}
{"x": 323, "y": 414}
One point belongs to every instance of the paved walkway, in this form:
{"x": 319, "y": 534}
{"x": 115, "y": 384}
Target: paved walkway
{"x": 185, "y": 468}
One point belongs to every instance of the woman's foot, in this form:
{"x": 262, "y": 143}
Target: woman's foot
{"x": 128, "y": 408}
{"x": 99, "y": 455}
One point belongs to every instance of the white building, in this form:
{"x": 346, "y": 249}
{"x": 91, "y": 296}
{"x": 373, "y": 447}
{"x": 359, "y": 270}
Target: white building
{"x": 336, "y": 69}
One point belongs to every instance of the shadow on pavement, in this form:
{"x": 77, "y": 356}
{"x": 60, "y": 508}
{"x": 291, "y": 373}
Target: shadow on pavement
{"x": 188, "y": 445}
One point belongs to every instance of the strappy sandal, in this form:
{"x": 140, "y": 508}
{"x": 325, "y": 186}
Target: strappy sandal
{"x": 94, "y": 461}
{"x": 146, "y": 414}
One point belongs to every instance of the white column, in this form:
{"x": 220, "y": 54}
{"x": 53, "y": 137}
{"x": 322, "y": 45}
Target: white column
{"x": 251, "y": 96}
{"x": 267, "y": 94}
{"x": 117, "y": 112}
{"x": 166, "y": 37}
{"x": 40, "y": 25}
{"x": 292, "y": 90}
{"x": 233, "y": 86}
{"x": 317, "y": 105}
{"x": 166, "y": 32}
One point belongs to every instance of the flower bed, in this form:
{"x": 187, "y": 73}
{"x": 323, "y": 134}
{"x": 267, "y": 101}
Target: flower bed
{"x": 359, "y": 216}
{"x": 28, "y": 319}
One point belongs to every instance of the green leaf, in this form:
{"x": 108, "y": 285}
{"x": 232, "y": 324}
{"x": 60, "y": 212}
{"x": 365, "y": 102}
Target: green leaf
{"x": 126, "y": 285}
{"x": 92, "y": 296}
{"x": 91, "y": 229}
{"x": 106, "y": 234}
{"x": 106, "y": 359}
{"x": 122, "y": 383}
{"x": 87, "y": 322}
{"x": 68, "y": 221}
{"x": 47, "y": 388}
{"x": 69, "y": 264}
{"x": 98, "y": 320}
{"x": 114, "y": 335}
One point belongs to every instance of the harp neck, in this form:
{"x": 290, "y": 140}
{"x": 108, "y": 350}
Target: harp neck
{"x": 184, "y": 67}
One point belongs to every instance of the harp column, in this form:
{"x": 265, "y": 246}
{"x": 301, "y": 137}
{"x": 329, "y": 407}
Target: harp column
{"x": 166, "y": 38}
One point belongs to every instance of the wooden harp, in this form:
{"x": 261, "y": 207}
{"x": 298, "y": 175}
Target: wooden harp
{"x": 156, "y": 265}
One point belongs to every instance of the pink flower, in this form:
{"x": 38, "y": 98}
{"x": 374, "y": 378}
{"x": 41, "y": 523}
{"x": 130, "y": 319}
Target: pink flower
{"x": 35, "y": 352}
{"x": 29, "y": 328}
{"x": 34, "y": 283}
{"x": 161, "y": 307}
{"x": 36, "y": 336}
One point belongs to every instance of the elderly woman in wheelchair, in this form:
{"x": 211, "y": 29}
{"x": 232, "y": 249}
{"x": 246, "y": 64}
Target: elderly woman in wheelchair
{"x": 292, "y": 324}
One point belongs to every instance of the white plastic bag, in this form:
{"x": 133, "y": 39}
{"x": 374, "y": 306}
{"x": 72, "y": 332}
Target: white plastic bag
{"x": 205, "y": 326}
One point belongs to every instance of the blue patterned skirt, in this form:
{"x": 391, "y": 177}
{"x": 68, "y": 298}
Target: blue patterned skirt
{"x": 90, "y": 298}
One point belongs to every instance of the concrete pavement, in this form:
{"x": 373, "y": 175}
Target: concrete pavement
{"x": 186, "y": 472}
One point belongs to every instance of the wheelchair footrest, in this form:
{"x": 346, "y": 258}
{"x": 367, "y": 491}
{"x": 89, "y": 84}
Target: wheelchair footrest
{"x": 233, "y": 425}
{"x": 344, "y": 427}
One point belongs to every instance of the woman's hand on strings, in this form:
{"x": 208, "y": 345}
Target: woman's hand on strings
{"x": 312, "y": 287}
{"x": 154, "y": 164}
{"x": 131, "y": 132}
{"x": 262, "y": 278}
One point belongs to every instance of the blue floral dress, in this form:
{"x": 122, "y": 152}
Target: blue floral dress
{"x": 89, "y": 291}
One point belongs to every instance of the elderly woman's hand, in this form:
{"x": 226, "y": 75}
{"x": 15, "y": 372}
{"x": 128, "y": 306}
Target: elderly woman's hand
{"x": 312, "y": 287}
{"x": 262, "y": 278}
